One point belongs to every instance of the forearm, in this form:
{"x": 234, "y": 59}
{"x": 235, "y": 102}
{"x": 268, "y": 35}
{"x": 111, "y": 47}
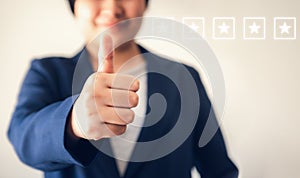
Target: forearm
{"x": 38, "y": 136}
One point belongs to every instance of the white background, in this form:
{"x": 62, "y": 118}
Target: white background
{"x": 261, "y": 120}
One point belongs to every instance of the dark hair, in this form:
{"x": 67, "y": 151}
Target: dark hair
{"x": 71, "y": 2}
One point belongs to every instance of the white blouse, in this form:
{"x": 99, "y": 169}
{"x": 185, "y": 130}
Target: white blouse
{"x": 124, "y": 144}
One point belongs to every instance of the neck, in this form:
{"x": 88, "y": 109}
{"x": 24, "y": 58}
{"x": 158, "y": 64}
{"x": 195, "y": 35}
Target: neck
{"x": 122, "y": 54}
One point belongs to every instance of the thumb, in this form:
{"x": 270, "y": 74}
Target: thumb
{"x": 105, "y": 54}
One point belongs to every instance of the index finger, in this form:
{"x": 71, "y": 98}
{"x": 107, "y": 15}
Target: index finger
{"x": 123, "y": 82}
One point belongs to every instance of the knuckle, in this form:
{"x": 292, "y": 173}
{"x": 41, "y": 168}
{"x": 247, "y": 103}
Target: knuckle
{"x": 136, "y": 84}
{"x": 130, "y": 116}
{"x": 102, "y": 97}
{"x": 104, "y": 119}
{"x": 100, "y": 76}
{"x": 134, "y": 98}
{"x": 101, "y": 79}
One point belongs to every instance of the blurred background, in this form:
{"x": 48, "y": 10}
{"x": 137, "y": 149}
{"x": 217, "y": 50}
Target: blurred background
{"x": 261, "y": 120}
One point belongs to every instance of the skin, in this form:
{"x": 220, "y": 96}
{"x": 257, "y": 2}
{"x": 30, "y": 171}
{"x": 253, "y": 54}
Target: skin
{"x": 103, "y": 108}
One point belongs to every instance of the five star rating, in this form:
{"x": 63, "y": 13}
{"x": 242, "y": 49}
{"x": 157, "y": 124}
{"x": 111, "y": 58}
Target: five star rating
{"x": 254, "y": 28}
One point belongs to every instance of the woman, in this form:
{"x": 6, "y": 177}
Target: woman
{"x": 71, "y": 130}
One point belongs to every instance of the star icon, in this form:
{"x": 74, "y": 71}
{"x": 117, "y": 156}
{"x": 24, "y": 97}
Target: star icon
{"x": 194, "y": 27}
{"x": 285, "y": 28}
{"x": 254, "y": 28}
{"x": 194, "y": 24}
{"x": 224, "y": 28}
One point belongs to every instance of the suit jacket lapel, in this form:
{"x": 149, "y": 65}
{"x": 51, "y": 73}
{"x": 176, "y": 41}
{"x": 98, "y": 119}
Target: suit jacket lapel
{"x": 105, "y": 161}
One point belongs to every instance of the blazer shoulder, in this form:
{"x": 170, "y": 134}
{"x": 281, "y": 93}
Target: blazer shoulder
{"x": 56, "y": 60}
{"x": 54, "y": 63}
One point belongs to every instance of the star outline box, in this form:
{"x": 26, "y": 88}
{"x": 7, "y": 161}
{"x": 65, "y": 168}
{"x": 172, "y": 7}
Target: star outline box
{"x": 233, "y": 28}
{"x": 254, "y": 18}
{"x": 202, "y": 19}
{"x": 275, "y": 28}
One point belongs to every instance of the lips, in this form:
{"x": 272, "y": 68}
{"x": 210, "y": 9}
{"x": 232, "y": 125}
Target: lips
{"x": 106, "y": 22}
{"x": 109, "y": 24}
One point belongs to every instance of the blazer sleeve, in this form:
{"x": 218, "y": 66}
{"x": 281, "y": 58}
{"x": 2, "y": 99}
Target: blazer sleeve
{"x": 211, "y": 160}
{"x": 37, "y": 129}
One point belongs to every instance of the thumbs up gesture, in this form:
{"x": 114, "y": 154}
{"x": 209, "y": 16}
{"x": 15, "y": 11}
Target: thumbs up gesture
{"x": 103, "y": 108}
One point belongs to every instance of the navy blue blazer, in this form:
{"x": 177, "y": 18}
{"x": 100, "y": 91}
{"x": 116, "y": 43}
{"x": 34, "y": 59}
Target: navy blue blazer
{"x": 38, "y": 129}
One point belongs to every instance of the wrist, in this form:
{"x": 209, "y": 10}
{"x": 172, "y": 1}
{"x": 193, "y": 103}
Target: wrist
{"x": 73, "y": 126}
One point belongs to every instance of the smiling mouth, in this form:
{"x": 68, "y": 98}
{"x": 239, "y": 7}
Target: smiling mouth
{"x": 111, "y": 24}
{"x": 117, "y": 25}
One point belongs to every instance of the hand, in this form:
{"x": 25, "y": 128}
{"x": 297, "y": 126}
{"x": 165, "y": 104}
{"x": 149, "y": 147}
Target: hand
{"x": 103, "y": 108}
